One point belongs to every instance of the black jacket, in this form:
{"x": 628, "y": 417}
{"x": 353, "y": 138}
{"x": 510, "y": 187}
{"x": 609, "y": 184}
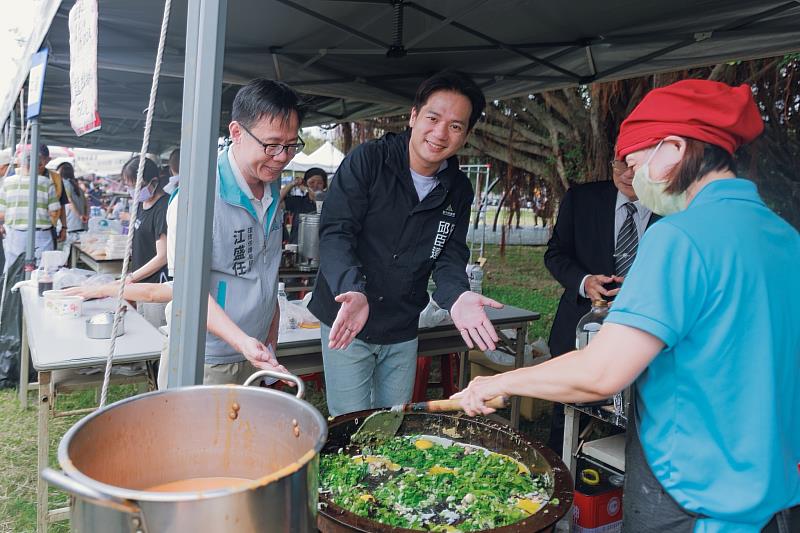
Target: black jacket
{"x": 376, "y": 237}
{"x": 582, "y": 244}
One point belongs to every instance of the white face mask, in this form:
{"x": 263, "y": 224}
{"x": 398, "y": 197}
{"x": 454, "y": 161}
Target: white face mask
{"x": 144, "y": 193}
{"x": 651, "y": 193}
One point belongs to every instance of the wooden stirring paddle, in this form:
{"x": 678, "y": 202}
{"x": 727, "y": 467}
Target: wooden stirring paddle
{"x": 383, "y": 425}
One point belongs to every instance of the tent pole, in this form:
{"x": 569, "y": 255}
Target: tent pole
{"x": 205, "y": 43}
{"x": 12, "y": 137}
{"x": 485, "y": 211}
{"x": 30, "y": 260}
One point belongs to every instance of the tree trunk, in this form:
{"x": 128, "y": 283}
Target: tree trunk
{"x": 497, "y": 214}
{"x": 347, "y": 137}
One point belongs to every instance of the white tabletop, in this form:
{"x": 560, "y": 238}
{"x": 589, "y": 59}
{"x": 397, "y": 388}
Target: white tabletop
{"x": 499, "y": 317}
{"x": 59, "y": 343}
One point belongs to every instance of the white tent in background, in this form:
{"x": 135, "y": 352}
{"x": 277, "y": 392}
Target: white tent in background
{"x": 89, "y": 161}
{"x": 300, "y": 163}
{"x": 327, "y": 157}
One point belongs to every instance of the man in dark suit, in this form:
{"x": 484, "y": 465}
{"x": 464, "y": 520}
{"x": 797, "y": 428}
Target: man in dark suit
{"x": 594, "y": 242}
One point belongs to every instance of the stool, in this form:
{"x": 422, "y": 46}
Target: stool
{"x": 449, "y": 370}
{"x": 316, "y": 378}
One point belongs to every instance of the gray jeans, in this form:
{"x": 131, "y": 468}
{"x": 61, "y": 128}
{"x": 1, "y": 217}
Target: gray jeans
{"x": 367, "y": 376}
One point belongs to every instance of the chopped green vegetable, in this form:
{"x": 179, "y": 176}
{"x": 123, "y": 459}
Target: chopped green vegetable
{"x": 414, "y": 483}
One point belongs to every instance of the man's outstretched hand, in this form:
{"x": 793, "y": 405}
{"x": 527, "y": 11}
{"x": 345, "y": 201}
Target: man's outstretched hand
{"x": 350, "y": 320}
{"x": 471, "y": 320}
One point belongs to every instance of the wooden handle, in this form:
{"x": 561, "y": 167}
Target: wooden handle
{"x": 434, "y": 406}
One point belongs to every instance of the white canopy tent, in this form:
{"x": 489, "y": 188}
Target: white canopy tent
{"x": 327, "y": 157}
{"x": 88, "y": 161}
{"x": 360, "y": 59}
{"x": 300, "y": 163}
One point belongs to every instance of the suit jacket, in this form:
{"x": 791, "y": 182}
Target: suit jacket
{"x": 582, "y": 243}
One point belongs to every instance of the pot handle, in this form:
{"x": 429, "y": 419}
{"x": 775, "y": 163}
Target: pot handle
{"x": 76, "y": 488}
{"x": 301, "y": 387}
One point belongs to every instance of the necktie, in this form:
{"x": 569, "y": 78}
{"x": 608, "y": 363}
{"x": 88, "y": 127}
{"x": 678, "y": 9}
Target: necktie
{"x": 627, "y": 243}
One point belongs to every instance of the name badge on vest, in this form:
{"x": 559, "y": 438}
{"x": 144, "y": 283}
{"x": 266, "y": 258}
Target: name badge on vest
{"x": 242, "y": 251}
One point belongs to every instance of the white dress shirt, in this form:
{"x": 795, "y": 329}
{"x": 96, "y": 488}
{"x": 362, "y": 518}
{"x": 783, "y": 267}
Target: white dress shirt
{"x": 640, "y": 219}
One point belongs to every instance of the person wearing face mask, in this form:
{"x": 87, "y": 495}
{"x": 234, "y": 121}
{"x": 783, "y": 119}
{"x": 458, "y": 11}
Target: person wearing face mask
{"x": 174, "y": 165}
{"x": 705, "y": 323}
{"x": 592, "y": 247}
{"x": 149, "y": 253}
{"x": 312, "y": 187}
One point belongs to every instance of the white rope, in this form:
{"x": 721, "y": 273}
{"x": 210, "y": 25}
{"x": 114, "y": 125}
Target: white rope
{"x": 135, "y": 201}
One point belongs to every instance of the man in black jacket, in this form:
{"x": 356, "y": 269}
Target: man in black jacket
{"x": 397, "y": 209}
{"x": 587, "y": 257}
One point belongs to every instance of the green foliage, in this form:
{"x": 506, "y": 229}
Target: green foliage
{"x": 312, "y": 143}
{"x": 418, "y": 487}
{"x": 18, "y": 455}
{"x": 521, "y": 279}
{"x": 788, "y": 59}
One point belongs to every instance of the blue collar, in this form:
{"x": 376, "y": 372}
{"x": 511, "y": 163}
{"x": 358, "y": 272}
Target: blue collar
{"x": 727, "y": 189}
{"x": 230, "y": 191}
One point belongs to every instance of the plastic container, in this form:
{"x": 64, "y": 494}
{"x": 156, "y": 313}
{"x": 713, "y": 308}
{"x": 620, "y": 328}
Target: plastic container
{"x": 286, "y": 323}
{"x": 44, "y": 282}
{"x": 475, "y": 276}
{"x": 597, "y": 504}
{"x": 52, "y": 260}
{"x": 62, "y": 305}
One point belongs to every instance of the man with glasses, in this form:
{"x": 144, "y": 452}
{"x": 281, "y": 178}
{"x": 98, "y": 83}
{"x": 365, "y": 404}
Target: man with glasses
{"x": 594, "y": 242}
{"x": 247, "y": 231}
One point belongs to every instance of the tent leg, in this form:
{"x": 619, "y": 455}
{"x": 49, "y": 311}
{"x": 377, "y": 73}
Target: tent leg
{"x": 205, "y": 42}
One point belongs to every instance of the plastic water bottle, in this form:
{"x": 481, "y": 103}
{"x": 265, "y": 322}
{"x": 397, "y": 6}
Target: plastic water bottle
{"x": 475, "y": 275}
{"x": 283, "y": 302}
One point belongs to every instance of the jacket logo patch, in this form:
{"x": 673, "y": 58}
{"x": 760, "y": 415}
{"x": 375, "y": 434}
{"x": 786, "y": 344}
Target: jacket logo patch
{"x": 448, "y": 211}
{"x": 242, "y": 251}
{"x": 442, "y": 234}
{"x": 276, "y": 225}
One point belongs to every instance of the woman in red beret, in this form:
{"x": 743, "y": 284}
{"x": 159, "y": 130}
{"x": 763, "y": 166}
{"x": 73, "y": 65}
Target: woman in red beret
{"x": 706, "y": 327}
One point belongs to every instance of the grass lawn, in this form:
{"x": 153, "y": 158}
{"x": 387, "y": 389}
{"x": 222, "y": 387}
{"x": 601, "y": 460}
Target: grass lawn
{"x": 518, "y": 279}
{"x": 521, "y": 279}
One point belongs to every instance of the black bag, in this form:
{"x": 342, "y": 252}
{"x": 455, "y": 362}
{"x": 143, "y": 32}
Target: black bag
{"x": 11, "y": 326}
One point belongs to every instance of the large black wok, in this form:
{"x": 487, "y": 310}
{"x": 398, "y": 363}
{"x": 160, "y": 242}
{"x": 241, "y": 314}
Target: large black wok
{"x": 476, "y": 431}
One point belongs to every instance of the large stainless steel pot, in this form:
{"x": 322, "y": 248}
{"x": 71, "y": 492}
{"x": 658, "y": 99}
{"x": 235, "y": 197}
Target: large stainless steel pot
{"x": 477, "y": 431}
{"x": 308, "y": 241}
{"x": 110, "y": 459}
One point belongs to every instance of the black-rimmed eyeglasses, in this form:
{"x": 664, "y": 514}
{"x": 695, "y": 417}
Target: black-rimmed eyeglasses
{"x": 276, "y": 149}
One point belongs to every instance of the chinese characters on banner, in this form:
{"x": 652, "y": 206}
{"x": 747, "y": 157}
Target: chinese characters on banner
{"x": 36, "y": 83}
{"x": 83, "y": 114}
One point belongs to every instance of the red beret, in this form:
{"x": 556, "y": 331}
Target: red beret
{"x": 708, "y": 111}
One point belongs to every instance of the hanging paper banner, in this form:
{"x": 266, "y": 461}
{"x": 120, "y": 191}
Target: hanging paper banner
{"x": 36, "y": 83}
{"x": 83, "y": 115}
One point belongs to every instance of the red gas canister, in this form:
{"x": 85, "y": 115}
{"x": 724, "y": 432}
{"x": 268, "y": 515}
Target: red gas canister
{"x": 598, "y": 502}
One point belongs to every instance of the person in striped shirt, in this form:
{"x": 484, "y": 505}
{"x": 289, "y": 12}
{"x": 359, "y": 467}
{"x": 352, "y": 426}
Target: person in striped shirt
{"x": 14, "y": 211}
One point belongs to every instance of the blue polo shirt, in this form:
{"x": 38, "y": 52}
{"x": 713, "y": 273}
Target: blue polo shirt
{"x": 719, "y": 407}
